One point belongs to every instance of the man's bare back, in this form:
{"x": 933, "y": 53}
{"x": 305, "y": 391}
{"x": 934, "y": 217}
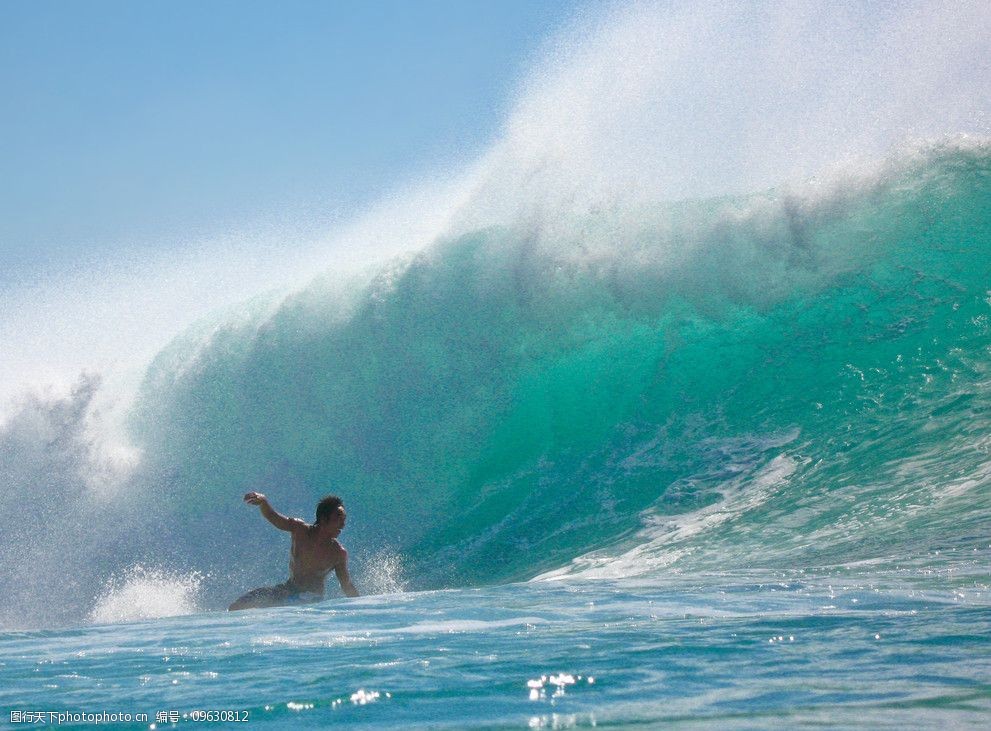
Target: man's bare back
{"x": 315, "y": 552}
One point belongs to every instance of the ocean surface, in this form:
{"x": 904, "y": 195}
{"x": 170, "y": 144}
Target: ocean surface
{"x": 852, "y": 647}
{"x": 611, "y": 456}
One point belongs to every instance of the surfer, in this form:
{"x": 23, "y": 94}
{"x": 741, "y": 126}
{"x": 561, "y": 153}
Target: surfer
{"x": 315, "y": 551}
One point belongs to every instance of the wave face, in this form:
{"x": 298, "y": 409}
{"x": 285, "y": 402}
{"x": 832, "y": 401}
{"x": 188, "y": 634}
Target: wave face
{"x": 791, "y": 379}
{"x": 772, "y": 380}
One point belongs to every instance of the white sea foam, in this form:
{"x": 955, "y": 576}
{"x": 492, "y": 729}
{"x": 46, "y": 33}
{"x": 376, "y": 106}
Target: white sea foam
{"x": 662, "y": 541}
{"x": 144, "y": 593}
{"x": 458, "y": 626}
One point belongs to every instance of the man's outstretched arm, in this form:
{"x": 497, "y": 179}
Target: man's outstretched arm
{"x": 277, "y": 519}
{"x": 344, "y": 577}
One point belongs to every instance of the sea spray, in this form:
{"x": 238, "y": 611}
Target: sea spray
{"x": 146, "y": 593}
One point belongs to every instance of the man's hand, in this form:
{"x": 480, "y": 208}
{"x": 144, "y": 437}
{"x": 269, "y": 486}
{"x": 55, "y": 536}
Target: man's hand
{"x": 278, "y": 520}
{"x": 341, "y": 569}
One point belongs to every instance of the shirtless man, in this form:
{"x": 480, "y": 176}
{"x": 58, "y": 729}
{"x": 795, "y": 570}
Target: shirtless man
{"x": 315, "y": 551}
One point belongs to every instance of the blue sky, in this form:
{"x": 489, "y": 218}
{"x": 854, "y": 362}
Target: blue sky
{"x": 127, "y": 124}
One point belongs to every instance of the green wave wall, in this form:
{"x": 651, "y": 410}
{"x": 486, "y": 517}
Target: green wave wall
{"x": 516, "y": 397}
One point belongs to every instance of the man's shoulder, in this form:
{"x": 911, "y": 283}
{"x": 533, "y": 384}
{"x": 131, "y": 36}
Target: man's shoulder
{"x": 298, "y": 524}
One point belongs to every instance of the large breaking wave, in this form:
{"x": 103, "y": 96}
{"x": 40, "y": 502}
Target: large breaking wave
{"x": 585, "y": 374}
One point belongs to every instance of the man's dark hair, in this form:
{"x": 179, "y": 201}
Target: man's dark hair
{"x": 327, "y": 507}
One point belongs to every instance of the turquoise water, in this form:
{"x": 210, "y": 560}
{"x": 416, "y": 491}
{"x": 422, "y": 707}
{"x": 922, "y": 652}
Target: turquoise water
{"x": 729, "y": 458}
{"x": 752, "y": 650}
